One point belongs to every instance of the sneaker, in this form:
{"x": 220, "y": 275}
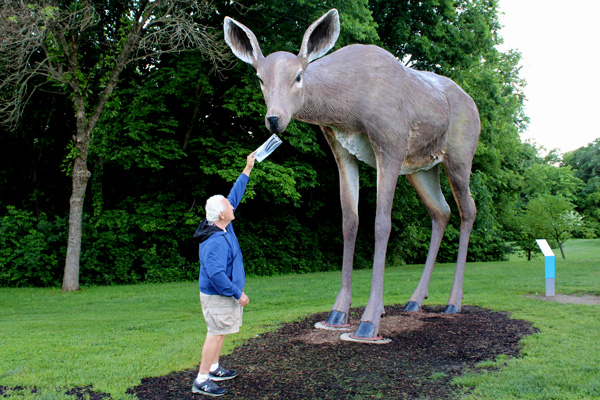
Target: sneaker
{"x": 208, "y": 388}
{"x": 222, "y": 374}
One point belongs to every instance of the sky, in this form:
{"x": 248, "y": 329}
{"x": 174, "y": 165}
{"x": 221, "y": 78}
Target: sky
{"x": 560, "y": 46}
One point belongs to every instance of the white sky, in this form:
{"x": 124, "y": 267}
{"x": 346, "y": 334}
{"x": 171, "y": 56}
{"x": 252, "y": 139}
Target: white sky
{"x": 560, "y": 46}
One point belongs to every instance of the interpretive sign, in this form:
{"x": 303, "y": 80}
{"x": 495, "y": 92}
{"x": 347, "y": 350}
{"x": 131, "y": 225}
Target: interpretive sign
{"x": 550, "y": 263}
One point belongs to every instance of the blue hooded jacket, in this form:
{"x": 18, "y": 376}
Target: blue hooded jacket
{"x": 221, "y": 262}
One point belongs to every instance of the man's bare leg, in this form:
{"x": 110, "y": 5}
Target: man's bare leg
{"x": 210, "y": 354}
{"x": 211, "y": 351}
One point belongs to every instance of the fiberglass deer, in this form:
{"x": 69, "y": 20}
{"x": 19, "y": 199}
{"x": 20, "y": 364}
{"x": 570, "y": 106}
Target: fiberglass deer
{"x": 372, "y": 108}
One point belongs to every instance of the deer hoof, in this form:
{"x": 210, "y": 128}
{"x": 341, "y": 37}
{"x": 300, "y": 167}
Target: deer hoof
{"x": 337, "y": 318}
{"x": 366, "y": 330}
{"x": 412, "y": 306}
{"x": 451, "y": 309}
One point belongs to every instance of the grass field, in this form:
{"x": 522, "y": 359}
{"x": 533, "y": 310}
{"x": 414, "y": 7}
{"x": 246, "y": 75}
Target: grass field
{"x": 111, "y": 337}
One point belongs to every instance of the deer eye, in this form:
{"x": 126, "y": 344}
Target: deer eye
{"x": 299, "y": 77}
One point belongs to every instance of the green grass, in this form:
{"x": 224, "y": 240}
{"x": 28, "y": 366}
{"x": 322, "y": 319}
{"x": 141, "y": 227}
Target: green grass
{"x": 111, "y": 337}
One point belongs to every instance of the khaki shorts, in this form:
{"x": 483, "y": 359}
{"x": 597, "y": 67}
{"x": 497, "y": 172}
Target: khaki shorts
{"x": 223, "y": 315}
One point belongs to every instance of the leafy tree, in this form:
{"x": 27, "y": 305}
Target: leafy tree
{"x": 82, "y": 48}
{"x": 585, "y": 163}
{"x": 551, "y": 217}
{"x": 551, "y": 180}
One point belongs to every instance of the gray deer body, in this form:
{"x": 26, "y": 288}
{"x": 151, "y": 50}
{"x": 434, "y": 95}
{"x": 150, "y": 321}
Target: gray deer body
{"x": 400, "y": 121}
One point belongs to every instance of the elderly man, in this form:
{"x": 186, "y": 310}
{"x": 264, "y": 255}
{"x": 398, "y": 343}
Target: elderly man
{"x": 222, "y": 280}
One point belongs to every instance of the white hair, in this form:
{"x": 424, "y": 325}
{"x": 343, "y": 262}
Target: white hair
{"x": 214, "y": 207}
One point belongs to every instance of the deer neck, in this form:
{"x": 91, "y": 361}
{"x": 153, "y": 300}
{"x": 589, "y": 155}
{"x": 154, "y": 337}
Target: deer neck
{"x": 324, "y": 99}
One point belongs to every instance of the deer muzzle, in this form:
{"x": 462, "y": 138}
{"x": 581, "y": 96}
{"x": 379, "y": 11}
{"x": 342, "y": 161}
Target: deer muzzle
{"x": 273, "y": 125}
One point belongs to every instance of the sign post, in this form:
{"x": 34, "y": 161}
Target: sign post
{"x": 550, "y": 263}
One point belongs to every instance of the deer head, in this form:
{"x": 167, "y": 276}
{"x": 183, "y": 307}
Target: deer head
{"x": 281, "y": 74}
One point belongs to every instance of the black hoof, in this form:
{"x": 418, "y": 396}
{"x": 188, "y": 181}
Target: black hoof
{"x": 451, "y": 309}
{"x": 365, "y": 330}
{"x": 337, "y": 318}
{"x": 412, "y": 306}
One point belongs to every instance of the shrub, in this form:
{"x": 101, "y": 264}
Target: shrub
{"x": 32, "y": 249}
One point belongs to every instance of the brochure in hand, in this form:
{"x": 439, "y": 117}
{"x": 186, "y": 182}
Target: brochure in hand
{"x": 267, "y": 148}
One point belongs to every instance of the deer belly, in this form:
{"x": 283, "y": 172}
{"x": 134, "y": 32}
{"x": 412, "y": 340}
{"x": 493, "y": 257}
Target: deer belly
{"x": 358, "y": 145}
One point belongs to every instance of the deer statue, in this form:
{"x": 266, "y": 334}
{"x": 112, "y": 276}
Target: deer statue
{"x": 372, "y": 108}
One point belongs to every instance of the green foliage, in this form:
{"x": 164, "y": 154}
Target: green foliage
{"x": 139, "y": 128}
{"x": 585, "y": 163}
{"x": 546, "y": 207}
{"x": 30, "y": 249}
{"x": 140, "y": 241}
{"x": 551, "y": 180}
{"x": 72, "y": 154}
{"x": 551, "y": 217}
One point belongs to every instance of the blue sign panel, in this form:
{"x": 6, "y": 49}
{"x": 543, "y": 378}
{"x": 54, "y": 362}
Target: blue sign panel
{"x": 550, "y": 267}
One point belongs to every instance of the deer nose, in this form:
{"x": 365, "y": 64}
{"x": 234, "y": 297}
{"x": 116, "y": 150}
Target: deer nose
{"x": 273, "y": 124}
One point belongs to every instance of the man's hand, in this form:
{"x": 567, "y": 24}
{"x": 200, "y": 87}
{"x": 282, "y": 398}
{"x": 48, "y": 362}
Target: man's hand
{"x": 244, "y": 300}
{"x": 249, "y": 163}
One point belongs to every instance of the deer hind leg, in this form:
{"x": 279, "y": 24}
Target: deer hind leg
{"x": 459, "y": 178}
{"x": 370, "y": 320}
{"x": 349, "y": 186}
{"x": 427, "y": 185}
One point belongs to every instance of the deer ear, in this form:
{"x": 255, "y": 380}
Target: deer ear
{"x": 320, "y": 37}
{"x": 242, "y": 41}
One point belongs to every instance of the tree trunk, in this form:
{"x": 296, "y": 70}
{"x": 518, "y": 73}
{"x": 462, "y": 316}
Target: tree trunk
{"x": 81, "y": 175}
{"x": 562, "y": 252}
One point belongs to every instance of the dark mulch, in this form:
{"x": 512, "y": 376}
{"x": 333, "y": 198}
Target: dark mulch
{"x": 297, "y": 361}
{"x": 428, "y": 349}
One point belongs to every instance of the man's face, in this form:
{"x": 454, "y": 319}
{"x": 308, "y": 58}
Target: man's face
{"x": 228, "y": 213}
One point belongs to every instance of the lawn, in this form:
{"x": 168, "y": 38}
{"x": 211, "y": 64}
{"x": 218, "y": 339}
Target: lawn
{"x": 111, "y": 337}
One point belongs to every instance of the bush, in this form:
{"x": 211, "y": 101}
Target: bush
{"x": 141, "y": 242}
{"x": 119, "y": 247}
{"x": 32, "y": 249}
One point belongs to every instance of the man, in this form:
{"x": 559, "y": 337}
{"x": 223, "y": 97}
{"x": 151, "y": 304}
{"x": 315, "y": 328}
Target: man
{"x": 222, "y": 280}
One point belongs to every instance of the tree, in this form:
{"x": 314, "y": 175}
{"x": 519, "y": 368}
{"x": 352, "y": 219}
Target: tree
{"x": 585, "y": 163}
{"x": 551, "y": 217}
{"x": 551, "y": 180}
{"x": 82, "y": 48}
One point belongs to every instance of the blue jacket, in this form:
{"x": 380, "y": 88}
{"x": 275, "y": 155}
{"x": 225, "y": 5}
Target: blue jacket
{"x": 221, "y": 262}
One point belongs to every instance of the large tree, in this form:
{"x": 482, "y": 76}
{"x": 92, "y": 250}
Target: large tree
{"x": 82, "y": 48}
{"x": 585, "y": 163}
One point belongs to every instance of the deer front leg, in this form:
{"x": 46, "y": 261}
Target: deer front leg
{"x": 370, "y": 320}
{"x": 349, "y": 186}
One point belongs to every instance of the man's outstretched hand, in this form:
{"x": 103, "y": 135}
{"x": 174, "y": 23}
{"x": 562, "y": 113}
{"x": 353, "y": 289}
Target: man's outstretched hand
{"x": 249, "y": 163}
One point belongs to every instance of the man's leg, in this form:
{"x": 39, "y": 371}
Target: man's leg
{"x": 211, "y": 351}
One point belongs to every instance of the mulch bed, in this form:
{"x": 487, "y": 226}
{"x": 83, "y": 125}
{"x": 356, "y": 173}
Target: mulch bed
{"x": 427, "y": 350}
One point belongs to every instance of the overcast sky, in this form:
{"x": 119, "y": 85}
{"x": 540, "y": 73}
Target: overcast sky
{"x": 560, "y": 46}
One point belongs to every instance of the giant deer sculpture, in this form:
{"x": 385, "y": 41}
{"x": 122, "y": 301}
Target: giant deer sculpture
{"x": 372, "y": 108}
